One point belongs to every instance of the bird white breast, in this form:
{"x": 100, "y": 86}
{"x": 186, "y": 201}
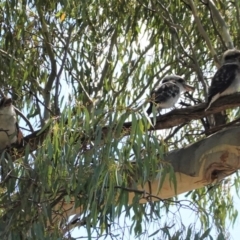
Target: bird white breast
{"x": 173, "y": 100}
{"x": 8, "y": 133}
{"x": 170, "y": 102}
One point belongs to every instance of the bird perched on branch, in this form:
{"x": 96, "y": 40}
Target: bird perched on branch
{"x": 227, "y": 79}
{"x": 168, "y": 92}
{"x": 9, "y": 130}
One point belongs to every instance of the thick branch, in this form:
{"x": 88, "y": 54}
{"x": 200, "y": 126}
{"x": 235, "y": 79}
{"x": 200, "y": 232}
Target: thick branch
{"x": 195, "y": 166}
{"x": 185, "y": 115}
{"x": 199, "y": 164}
{"x": 169, "y": 120}
{"x": 205, "y": 162}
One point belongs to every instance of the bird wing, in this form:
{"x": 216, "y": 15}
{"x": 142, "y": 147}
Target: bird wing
{"x": 162, "y": 94}
{"x": 165, "y": 92}
{"x": 222, "y": 79}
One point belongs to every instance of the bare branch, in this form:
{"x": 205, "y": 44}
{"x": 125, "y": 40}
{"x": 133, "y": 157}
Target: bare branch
{"x": 185, "y": 115}
{"x": 24, "y": 118}
{"x": 56, "y": 96}
{"x": 203, "y": 33}
{"x": 52, "y": 75}
{"x": 82, "y": 86}
{"x": 225, "y": 32}
{"x": 107, "y": 63}
{"x": 214, "y": 26}
{"x": 235, "y": 122}
{"x": 129, "y": 74}
{"x": 173, "y": 26}
{"x": 237, "y": 5}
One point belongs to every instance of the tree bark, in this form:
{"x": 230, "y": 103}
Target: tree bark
{"x": 185, "y": 115}
{"x": 200, "y": 164}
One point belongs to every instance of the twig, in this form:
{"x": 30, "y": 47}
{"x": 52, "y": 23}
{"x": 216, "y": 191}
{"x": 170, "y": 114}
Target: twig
{"x": 213, "y": 24}
{"x": 107, "y": 62}
{"x": 52, "y": 76}
{"x": 129, "y": 74}
{"x": 83, "y": 88}
{"x": 56, "y": 96}
{"x": 25, "y": 119}
{"x": 225, "y": 32}
{"x": 193, "y": 58}
{"x": 142, "y": 4}
{"x": 45, "y": 106}
{"x": 203, "y": 32}
{"x": 174, "y": 132}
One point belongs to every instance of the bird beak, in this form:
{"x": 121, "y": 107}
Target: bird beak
{"x": 188, "y": 88}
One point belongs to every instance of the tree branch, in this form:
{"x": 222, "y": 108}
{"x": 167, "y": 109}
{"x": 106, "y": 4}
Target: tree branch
{"x": 192, "y": 56}
{"x": 185, "y": 115}
{"x": 209, "y": 160}
{"x": 65, "y": 51}
{"x": 203, "y": 32}
{"x": 107, "y": 63}
{"x": 169, "y": 120}
{"x": 24, "y": 118}
{"x": 52, "y": 76}
{"x": 225, "y": 33}
{"x": 195, "y": 166}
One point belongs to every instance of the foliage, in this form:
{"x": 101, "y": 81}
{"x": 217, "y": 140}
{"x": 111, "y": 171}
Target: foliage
{"x": 80, "y": 66}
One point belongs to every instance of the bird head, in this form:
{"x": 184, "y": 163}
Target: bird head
{"x": 178, "y": 80}
{"x": 231, "y": 55}
{"x": 6, "y": 106}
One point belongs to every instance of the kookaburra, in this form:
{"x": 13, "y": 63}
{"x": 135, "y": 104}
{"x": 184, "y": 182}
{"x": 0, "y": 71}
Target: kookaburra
{"x": 227, "y": 79}
{"x": 9, "y": 130}
{"x": 168, "y": 92}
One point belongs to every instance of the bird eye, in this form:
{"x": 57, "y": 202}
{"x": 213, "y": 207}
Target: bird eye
{"x": 164, "y": 80}
{"x": 180, "y": 80}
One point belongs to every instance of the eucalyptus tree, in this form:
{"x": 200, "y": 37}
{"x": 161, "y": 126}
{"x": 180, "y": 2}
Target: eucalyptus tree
{"x": 80, "y": 74}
